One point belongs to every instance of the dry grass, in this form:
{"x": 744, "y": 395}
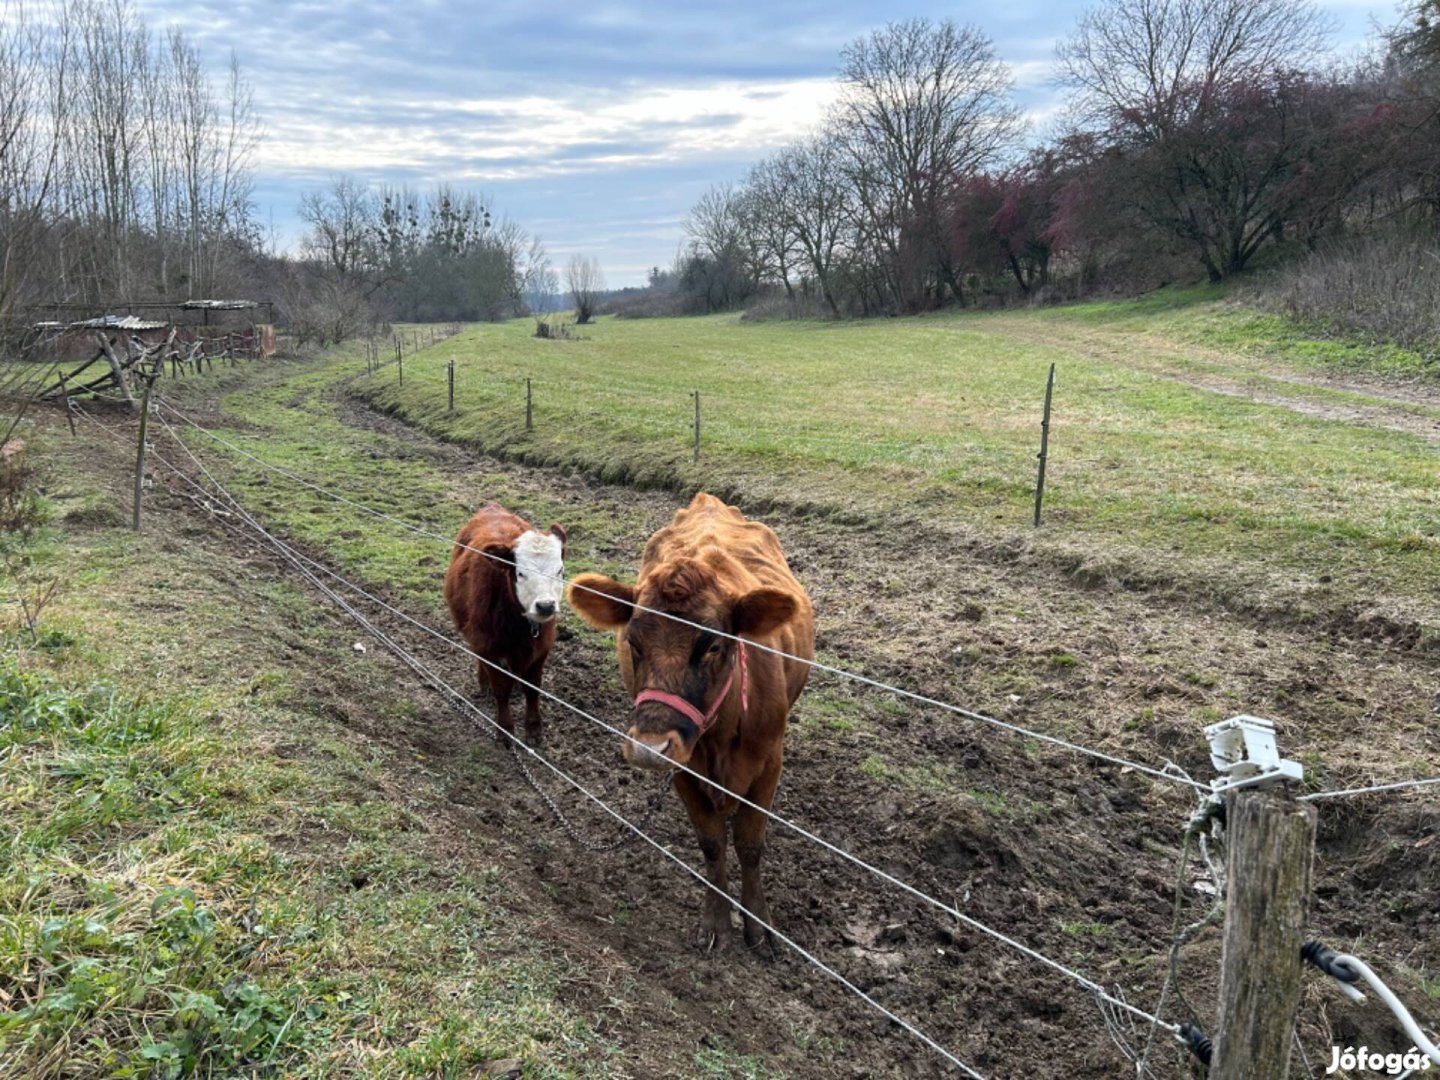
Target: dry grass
{"x": 1385, "y": 286}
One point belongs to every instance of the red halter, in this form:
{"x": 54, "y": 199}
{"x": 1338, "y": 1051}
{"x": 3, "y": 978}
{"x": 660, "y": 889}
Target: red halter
{"x": 704, "y": 720}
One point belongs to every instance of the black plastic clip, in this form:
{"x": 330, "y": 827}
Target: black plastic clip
{"x": 1199, "y": 1045}
{"x": 1324, "y": 958}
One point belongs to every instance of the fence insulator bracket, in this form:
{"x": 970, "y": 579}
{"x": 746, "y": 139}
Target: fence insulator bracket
{"x": 1243, "y": 751}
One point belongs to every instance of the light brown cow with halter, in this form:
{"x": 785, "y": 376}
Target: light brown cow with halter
{"x": 702, "y": 698}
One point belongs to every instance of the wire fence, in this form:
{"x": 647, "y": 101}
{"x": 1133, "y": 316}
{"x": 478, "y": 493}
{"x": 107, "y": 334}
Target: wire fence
{"x": 304, "y": 565}
{"x": 664, "y": 412}
{"x": 329, "y": 582}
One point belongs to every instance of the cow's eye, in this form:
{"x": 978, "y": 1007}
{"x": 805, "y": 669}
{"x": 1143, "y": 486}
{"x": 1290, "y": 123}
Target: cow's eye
{"x": 716, "y": 648}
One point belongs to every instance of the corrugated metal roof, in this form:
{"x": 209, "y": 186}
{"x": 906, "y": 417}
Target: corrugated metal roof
{"x": 221, "y": 305}
{"x": 119, "y": 322}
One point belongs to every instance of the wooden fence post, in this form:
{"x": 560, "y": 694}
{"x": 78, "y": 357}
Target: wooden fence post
{"x": 65, "y": 397}
{"x": 400, "y": 366}
{"x": 1271, "y": 848}
{"x": 140, "y": 449}
{"x": 450, "y": 378}
{"x": 529, "y": 408}
{"x": 116, "y": 369}
{"x": 1044, "y": 444}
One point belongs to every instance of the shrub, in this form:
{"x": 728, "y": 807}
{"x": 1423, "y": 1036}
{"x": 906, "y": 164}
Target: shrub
{"x": 776, "y": 305}
{"x": 1387, "y": 286}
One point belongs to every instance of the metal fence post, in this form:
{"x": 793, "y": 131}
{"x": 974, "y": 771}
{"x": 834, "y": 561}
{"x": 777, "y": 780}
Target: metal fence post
{"x": 1044, "y": 445}
{"x": 696, "y": 395}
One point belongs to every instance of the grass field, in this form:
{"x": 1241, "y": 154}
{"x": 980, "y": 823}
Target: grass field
{"x": 1192, "y": 439}
{"x": 241, "y": 844}
{"x": 201, "y": 875}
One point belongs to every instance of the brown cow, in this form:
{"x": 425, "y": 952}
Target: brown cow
{"x": 707, "y": 701}
{"x": 504, "y": 602}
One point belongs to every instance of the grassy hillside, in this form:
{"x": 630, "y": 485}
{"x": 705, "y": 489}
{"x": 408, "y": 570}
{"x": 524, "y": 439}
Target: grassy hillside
{"x": 205, "y": 870}
{"x": 1192, "y": 438}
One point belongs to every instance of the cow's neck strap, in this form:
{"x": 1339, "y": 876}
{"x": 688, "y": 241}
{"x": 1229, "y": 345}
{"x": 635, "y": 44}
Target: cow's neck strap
{"x": 705, "y": 719}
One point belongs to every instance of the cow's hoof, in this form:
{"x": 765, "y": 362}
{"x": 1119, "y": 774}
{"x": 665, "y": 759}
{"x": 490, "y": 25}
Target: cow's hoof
{"x": 535, "y": 734}
{"x": 760, "y": 941}
{"x": 714, "y": 933}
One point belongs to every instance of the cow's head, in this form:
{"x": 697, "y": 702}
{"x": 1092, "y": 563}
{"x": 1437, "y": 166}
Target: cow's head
{"x": 659, "y": 653}
{"x": 539, "y": 570}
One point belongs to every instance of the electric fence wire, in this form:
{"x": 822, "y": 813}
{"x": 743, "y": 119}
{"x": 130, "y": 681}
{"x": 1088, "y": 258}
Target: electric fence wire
{"x": 465, "y": 705}
{"x": 1163, "y": 773}
{"x": 1103, "y": 997}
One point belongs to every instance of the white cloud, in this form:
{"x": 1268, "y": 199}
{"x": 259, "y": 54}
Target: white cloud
{"x": 515, "y": 138}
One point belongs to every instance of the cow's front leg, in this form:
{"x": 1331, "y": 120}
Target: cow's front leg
{"x": 750, "y": 846}
{"x": 500, "y": 685}
{"x": 710, "y": 830}
{"x": 534, "y": 726}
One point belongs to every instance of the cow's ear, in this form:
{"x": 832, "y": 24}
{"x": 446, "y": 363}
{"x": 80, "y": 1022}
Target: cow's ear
{"x": 499, "y": 555}
{"x": 558, "y": 531}
{"x": 601, "y": 601}
{"x": 761, "y": 612}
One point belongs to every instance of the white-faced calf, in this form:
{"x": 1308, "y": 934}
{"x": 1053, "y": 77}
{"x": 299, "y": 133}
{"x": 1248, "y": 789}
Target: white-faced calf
{"x": 503, "y": 589}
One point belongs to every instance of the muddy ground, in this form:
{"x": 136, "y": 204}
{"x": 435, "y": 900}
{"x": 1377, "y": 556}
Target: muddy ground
{"x": 1073, "y": 857}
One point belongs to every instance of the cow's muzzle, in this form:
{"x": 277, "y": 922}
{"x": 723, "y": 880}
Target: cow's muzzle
{"x": 658, "y": 739}
{"x": 655, "y": 750}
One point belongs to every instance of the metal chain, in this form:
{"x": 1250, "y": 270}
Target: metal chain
{"x": 569, "y": 827}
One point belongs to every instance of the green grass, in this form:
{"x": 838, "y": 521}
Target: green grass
{"x": 201, "y": 876}
{"x": 1082, "y": 929}
{"x": 146, "y": 930}
{"x": 937, "y": 420}
{"x": 722, "y": 1064}
{"x": 1207, "y": 315}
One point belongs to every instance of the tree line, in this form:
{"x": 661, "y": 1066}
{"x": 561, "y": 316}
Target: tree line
{"x": 125, "y": 169}
{"x": 396, "y": 253}
{"x": 1199, "y": 138}
{"x": 127, "y": 174}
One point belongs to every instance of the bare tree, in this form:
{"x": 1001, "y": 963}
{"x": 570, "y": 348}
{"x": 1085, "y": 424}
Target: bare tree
{"x": 104, "y": 128}
{"x": 34, "y": 65}
{"x": 722, "y": 258}
{"x": 768, "y": 225}
{"x": 538, "y": 282}
{"x": 118, "y": 151}
{"x": 924, "y": 105}
{"x": 817, "y": 205}
{"x": 215, "y": 142}
{"x": 1149, "y": 65}
{"x": 585, "y": 281}
{"x": 343, "y": 217}
{"x": 1217, "y": 137}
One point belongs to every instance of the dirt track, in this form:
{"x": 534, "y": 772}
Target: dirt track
{"x": 1068, "y": 855}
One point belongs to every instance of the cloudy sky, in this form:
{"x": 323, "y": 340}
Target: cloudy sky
{"x": 595, "y": 125}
